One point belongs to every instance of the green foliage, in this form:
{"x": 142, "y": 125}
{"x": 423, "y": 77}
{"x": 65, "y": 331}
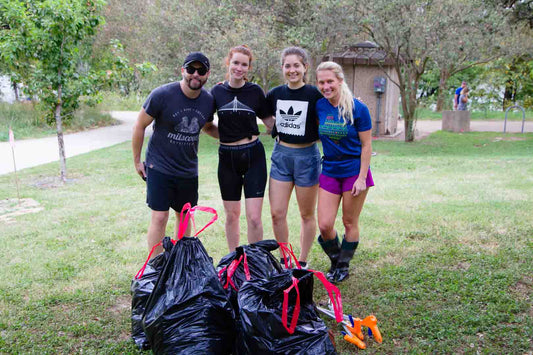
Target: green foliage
{"x": 49, "y": 37}
{"x": 28, "y": 121}
{"x": 121, "y": 75}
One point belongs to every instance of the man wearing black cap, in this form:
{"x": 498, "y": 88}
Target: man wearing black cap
{"x": 179, "y": 110}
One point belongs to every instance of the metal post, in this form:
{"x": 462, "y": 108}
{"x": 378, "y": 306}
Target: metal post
{"x": 376, "y": 131}
{"x": 523, "y": 117}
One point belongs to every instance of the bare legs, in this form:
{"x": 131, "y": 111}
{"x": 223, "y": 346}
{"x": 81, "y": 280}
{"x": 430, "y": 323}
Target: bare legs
{"x": 328, "y": 205}
{"x": 339, "y": 254}
{"x": 157, "y": 229}
{"x": 280, "y": 194}
{"x": 232, "y": 209}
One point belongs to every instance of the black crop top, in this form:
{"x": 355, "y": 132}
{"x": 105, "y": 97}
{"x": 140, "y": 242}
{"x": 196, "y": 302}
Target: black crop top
{"x": 295, "y": 113}
{"x": 238, "y": 109}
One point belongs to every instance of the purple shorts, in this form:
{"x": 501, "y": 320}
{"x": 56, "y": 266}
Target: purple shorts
{"x": 339, "y": 185}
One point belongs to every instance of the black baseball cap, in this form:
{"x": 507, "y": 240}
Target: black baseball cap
{"x": 196, "y": 57}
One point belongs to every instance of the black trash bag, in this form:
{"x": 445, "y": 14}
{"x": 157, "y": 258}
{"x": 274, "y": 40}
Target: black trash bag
{"x": 247, "y": 262}
{"x": 142, "y": 286}
{"x": 264, "y": 331}
{"x": 188, "y": 311}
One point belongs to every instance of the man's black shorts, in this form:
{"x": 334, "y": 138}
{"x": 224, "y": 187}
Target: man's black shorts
{"x": 164, "y": 191}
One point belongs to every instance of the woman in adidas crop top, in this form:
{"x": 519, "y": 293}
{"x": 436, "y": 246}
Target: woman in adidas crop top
{"x": 345, "y": 130}
{"x": 242, "y": 161}
{"x": 295, "y": 158}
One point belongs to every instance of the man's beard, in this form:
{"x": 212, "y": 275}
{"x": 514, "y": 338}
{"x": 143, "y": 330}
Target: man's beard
{"x": 198, "y": 83}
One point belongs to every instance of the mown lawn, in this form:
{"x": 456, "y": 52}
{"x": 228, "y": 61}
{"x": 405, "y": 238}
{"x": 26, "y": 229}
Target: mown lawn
{"x": 445, "y": 261}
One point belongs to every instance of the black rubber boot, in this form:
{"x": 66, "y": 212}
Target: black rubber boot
{"x": 343, "y": 262}
{"x": 332, "y": 248}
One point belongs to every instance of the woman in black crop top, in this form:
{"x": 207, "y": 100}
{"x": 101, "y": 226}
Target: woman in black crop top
{"x": 296, "y": 157}
{"x": 242, "y": 161}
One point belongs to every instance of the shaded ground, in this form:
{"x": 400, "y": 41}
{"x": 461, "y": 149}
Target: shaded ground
{"x": 11, "y": 208}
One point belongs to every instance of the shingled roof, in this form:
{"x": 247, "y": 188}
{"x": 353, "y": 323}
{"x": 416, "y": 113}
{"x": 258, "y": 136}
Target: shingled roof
{"x": 363, "y": 53}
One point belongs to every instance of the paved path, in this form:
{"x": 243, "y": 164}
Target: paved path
{"x": 33, "y": 152}
{"x": 424, "y": 128}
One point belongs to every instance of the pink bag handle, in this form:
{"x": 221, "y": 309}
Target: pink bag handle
{"x": 334, "y": 295}
{"x": 231, "y": 268}
{"x": 140, "y": 273}
{"x": 333, "y": 292}
{"x": 182, "y": 227}
{"x": 285, "y": 310}
{"x": 288, "y": 255}
{"x": 204, "y": 209}
{"x": 184, "y": 220}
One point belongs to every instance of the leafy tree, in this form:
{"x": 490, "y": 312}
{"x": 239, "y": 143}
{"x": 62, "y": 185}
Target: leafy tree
{"x": 415, "y": 33}
{"x": 49, "y": 35}
{"x": 473, "y": 37}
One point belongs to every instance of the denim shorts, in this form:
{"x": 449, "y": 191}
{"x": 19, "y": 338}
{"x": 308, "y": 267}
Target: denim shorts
{"x": 339, "y": 185}
{"x": 298, "y": 165}
{"x": 164, "y": 191}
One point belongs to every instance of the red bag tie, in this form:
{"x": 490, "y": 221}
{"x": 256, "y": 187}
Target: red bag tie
{"x": 184, "y": 220}
{"x": 334, "y": 295}
{"x": 285, "y": 310}
{"x": 182, "y": 227}
{"x": 140, "y": 273}
{"x": 231, "y": 271}
{"x": 333, "y": 292}
{"x": 204, "y": 209}
{"x": 288, "y": 255}
{"x": 246, "y": 268}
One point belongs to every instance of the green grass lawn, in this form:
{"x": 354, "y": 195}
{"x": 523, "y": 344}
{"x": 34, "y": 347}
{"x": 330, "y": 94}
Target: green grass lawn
{"x": 28, "y": 121}
{"x": 445, "y": 260}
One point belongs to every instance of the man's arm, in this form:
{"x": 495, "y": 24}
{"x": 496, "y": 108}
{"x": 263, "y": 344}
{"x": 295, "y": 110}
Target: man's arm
{"x": 455, "y": 99}
{"x": 137, "y": 140}
{"x": 211, "y": 129}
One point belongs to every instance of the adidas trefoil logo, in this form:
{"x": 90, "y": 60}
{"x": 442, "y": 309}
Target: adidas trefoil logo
{"x": 290, "y": 115}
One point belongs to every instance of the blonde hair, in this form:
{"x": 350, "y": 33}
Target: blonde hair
{"x": 301, "y": 54}
{"x": 346, "y": 97}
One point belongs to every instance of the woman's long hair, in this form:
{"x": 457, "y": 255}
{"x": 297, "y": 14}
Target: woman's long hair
{"x": 243, "y": 49}
{"x": 302, "y": 54}
{"x": 346, "y": 97}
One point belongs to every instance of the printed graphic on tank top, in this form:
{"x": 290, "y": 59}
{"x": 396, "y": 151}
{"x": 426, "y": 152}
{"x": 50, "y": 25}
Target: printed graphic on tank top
{"x": 291, "y": 117}
{"x": 236, "y": 107}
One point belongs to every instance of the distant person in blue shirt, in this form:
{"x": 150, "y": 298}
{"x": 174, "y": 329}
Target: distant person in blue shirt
{"x": 345, "y": 130}
{"x": 457, "y": 94}
{"x": 463, "y": 100}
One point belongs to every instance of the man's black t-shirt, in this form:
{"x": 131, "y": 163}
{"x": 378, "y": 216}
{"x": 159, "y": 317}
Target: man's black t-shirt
{"x": 173, "y": 147}
{"x": 294, "y": 110}
{"x": 237, "y": 110}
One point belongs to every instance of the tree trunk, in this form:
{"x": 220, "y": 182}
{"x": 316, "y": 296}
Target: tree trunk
{"x": 509, "y": 94}
{"x": 264, "y": 80}
{"x": 15, "y": 90}
{"x": 443, "y": 86}
{"x": 61, "y": 143}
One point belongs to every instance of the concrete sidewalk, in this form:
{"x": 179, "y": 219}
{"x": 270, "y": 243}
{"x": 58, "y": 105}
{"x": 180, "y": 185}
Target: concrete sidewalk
{"x": 33, "y": 152}
{"x": 426, "y": 127}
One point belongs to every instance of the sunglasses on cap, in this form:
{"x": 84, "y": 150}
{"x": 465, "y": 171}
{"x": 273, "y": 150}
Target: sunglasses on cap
{"x": 201, "y": 71}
